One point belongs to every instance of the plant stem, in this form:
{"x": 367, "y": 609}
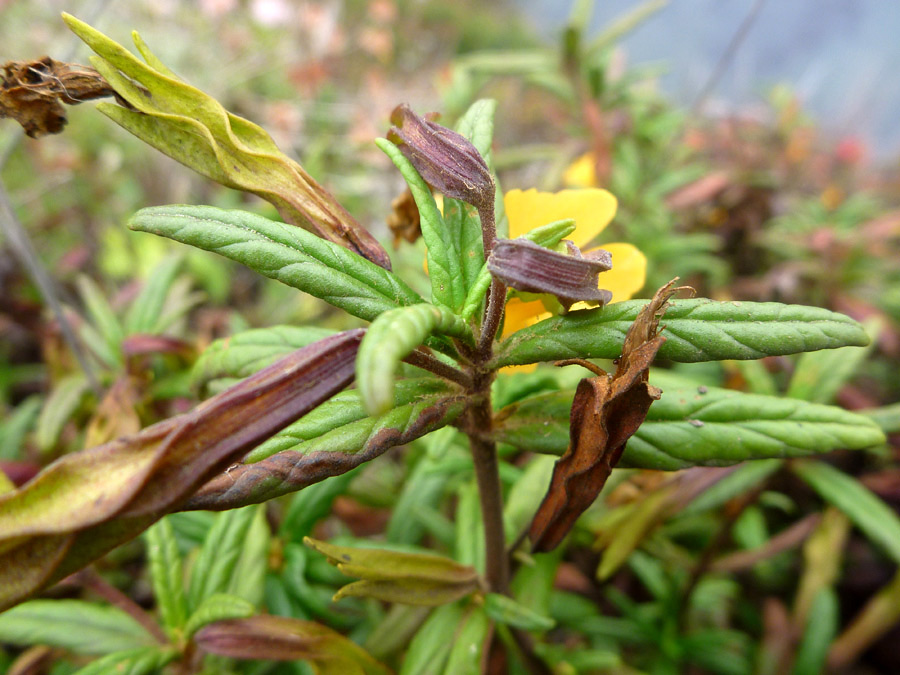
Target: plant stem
{"x": 484, "y": 456}
{"x": 422, "y": 359}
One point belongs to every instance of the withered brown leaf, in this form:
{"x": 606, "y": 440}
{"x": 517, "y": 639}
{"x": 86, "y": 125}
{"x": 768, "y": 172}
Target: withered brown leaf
{"x": 606, "y": 412}
{"x": 404, "y": 219}
{"x": 32, "y": 92}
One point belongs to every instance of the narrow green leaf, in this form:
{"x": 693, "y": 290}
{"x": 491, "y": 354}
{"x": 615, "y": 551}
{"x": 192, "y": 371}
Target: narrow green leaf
{"x": 101, "y": 314}
{"x": 283, "y": 464}
{"x": 469, "y": 548}
{"x": 333, "y": 421}
{"x": 469, "y": 642}
{"x": 137, "y": 661}
{"x": 283, "y": 252}
{"x": 696, "y": 330}
{"x": 16, "y": 425}
{"x": 820, "y": 375}
{"x": 422, "y": 491}
{"x": 871, "y": 515}
{"x": 62, "y": 403}
{"x": 249, "y": 577}
{"x": 390, "y": 338}
{"x": 145, "y": 312}
{"x": 526, "y": 492}
{"x": 821, "y": 629}
{"x": 429, "y": 650}
{"x": 166, "y": 574}
{"x": 243, "y": 354}
{"x": 218, "y": 607}
{"x": 443, "y": 257}
{"x": 887, "y": 417}
{"x": 505, "y": 610}
{"x": 218, "y": 557}
{"x": 700, "y": 426}
{"x": 81, "y": 626}
{"x": 740, "y": 481}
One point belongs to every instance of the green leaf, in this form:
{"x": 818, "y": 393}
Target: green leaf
{"x": 469, "y": 642}
{"x": 285, "y": 253}
{"x": 447, "y": 281}
{"x": 820, "y": 375}
{"x": 16, "y": 425}
{"x": 394, "y": 576}
{"x": 429, "y": 650}
{"x": 886, "y": 417}
{"x": 145, "y": 312}
{"x": 505, "y": 610}
{"x": 703, "y": 426}
{"x": 696, "y": 330}
{"x": 81, "y": 626}
{"x": 249, "y": 577}
{"x": 469, "y": 548}
{"x": 102, "y": 316}
{"x": 342, "y": 422}
{"x": 390, "y": 339}
{"x": 740, "y": 481}
{"x": 138, "y": 661}
{"x": 62, "y": 403}
{"x": 218, "y": 607}
{"x": 283, "y": 464}
{"x": 166, "y": 574}
{"x": 243, "y": 354}
{"x": 871, "y": 515}
{"x": 821, "y": 629}
{"x": 212, "y": 571}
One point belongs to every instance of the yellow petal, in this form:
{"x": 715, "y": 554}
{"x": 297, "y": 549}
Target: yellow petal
{"x": 582, "y": 173}
{"x": 628, "y": 273}
{"x": 592, "y": 209}
{"x": 520, "y": 314}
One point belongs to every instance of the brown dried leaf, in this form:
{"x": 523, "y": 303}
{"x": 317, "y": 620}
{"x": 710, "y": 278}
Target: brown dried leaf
{"x": 606, "y": 412}
{"x": 404, "y": 220}
{"x": 32, "y": 92}
{"x": 86, "y": 503}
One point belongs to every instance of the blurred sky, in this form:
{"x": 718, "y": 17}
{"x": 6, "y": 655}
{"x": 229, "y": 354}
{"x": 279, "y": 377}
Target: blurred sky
{"x": 841, "y": 57}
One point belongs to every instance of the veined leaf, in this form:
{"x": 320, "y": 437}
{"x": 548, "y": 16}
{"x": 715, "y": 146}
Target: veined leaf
{"x": 166, "y": 574}
{"x": 700, "y": 426}
{"x": 218, "y": 607}
{"x": 218, "y": 557}
{"x": 390, "y": 338}
{"x": 507, "y": 611}
{"x": 83, "y": 627}
{"x": 329, "y": 454}
{"x": 695, "y": 330}
{"x": 285, "y": 253}
{"x": 443, "y": 257}
{"x": 243, "y": 354}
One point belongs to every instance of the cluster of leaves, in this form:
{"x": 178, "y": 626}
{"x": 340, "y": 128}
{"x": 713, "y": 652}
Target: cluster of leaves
{"x": 660, "y": 536}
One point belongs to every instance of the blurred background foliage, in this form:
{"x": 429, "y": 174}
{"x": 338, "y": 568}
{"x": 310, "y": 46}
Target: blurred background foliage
{"x": 769, "y": 570}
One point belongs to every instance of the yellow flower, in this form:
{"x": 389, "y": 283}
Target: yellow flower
{"x": 581, "y": 173}
{"x": 592, "y": 209}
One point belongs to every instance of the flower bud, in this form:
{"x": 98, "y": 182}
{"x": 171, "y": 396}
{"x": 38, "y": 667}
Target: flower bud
{"x": 525, "y": 266}
{"x": 446, "y": 160}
